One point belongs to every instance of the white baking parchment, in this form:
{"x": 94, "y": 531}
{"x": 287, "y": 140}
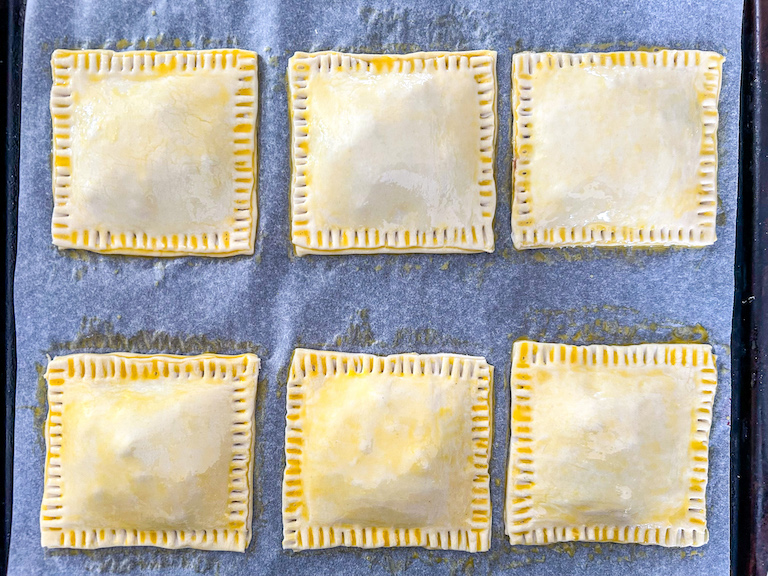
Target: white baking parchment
{"x": 272, "y": 302}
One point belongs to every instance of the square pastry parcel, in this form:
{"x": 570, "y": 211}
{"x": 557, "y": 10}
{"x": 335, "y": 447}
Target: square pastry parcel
{"x": 149, "y": 451}
{"x": 387, "y": 451}
{"x": 609, "y": 443}
{"x": 392, "y": 153}
{"x": 154, "y": 152}
{"x": 615, "y": 149}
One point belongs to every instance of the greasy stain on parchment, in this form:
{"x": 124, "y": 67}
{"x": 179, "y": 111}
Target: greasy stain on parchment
{"x": 40, "y": 408}
{"x": 160, "y": 42}
{"x": 455, "y": 28}
{"x": 638, "y": 256}
{"x": 397, "y": 561}
{"x": 635, "y": 255}
{"x": 96, "y": 335}
{"x": 359, "y": 334}
{"x": 613, "y": 45}
{"x": 616, "y": 325}
{"x": 138, "y": 560}
{"x": 503, "y": 555}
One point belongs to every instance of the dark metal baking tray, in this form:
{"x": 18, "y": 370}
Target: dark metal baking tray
{"x": 749, "y": 522}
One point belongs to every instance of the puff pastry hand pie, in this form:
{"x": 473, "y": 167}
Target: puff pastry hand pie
{"x": 149, "y": 451}
{"x": 615, "y": 149}
{"x": 392, "y": 153}
{"x": 154, "y": 152}
{"x": 387, "y": 451}
{"x": 609, "y": 443}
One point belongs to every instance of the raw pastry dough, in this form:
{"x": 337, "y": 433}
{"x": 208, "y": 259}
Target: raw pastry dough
{"x": 149, "y": 451}
{"x": 609, "y": 443}
{"x": 393, "y": 153}
{"x": 387, "y": 451}
{"x": 154, "y": 152}
{"x": 615, "y": 149}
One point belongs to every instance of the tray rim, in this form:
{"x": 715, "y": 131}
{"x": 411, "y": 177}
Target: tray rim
{"x": 11, "y": 34}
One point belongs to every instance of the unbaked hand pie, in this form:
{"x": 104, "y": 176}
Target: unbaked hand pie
{"x": 609, "y": 443}
{"x": 615, "y": 149}
{"x": 149, "y": 451}
{"x": 387, "y": 451}
{"x": 154, "y": 152}
{"x": 392, "y": 153}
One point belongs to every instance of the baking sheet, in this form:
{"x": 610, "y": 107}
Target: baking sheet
{"x": 272, "y": 302}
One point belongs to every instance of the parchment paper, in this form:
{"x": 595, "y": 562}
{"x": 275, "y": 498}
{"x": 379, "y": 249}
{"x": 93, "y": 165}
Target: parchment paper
{"x": 272, "y": 302}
